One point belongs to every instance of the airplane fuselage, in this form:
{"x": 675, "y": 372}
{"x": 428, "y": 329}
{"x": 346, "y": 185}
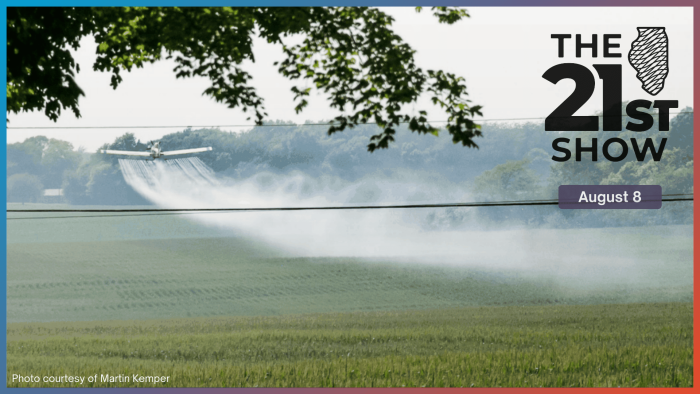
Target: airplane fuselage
{"x": 156, "y": 151}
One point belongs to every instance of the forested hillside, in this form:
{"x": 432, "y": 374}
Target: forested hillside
{"x": 513, "y": 162}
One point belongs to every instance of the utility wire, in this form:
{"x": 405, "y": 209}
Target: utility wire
{"x": 439, "y": 205}
{"x": 158, "y": 211}
{"x": 272, "y": 125}
{"x": 341, "y": 207}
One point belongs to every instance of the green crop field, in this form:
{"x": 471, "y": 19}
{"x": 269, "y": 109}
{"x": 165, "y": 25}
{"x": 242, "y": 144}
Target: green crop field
{"x": 227, "y": 277}
{"x": 637, "y": 345}
{"x": 82, "y": 294}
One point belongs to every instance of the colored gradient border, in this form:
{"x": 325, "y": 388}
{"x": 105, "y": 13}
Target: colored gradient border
{"x": 384, "y": 3}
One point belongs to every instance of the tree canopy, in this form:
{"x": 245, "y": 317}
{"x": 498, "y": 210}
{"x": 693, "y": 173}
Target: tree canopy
{"x": 47, "y": 158}
{"x": 349, "y": 53}
{"x": 24, "y": 188}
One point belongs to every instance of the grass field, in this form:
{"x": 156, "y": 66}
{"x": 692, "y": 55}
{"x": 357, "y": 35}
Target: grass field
{"x": 227, "y": 277}
{"x": 169, "y": 267}
{"x": 83, "y": 293}
{"x": 637, "y": 345}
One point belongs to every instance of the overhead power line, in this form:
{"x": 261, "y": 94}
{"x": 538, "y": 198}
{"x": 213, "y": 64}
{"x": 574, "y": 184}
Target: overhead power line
{"x": 181, "y": 211}
{"x": 264, "y": 125}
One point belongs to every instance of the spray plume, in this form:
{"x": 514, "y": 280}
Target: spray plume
{"x": 578, "y": 256}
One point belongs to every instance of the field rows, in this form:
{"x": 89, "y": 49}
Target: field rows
{"x": 116, "y": 280}
{"x": 635, "y": 345}
{"x": 229, "y": 276}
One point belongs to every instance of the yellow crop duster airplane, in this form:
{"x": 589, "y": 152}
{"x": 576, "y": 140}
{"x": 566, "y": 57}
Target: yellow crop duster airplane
{"x": 155, "y": 151}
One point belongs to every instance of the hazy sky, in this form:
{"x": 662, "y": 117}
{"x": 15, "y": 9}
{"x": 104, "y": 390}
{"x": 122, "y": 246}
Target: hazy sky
{"x": 501, "y": 52}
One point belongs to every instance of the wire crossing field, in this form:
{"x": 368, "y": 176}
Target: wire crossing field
{"x": 170, "y": 267}
{"x": 593, "y": 345}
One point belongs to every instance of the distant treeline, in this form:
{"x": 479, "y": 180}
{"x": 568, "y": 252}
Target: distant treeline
{"x": 513, "y": 161}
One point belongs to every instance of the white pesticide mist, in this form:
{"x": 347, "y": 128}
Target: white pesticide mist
{"x": 579, "y": 256}
{"x": 189, "y": 183}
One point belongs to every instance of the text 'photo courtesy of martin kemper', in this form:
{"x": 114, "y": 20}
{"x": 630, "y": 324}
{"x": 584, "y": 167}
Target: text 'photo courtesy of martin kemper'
{"x": 349, "y": 197}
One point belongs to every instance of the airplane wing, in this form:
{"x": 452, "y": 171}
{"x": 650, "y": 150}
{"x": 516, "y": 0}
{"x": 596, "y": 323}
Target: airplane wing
{"x": 125, "y": 152}
{"x": 185, "y": 151}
